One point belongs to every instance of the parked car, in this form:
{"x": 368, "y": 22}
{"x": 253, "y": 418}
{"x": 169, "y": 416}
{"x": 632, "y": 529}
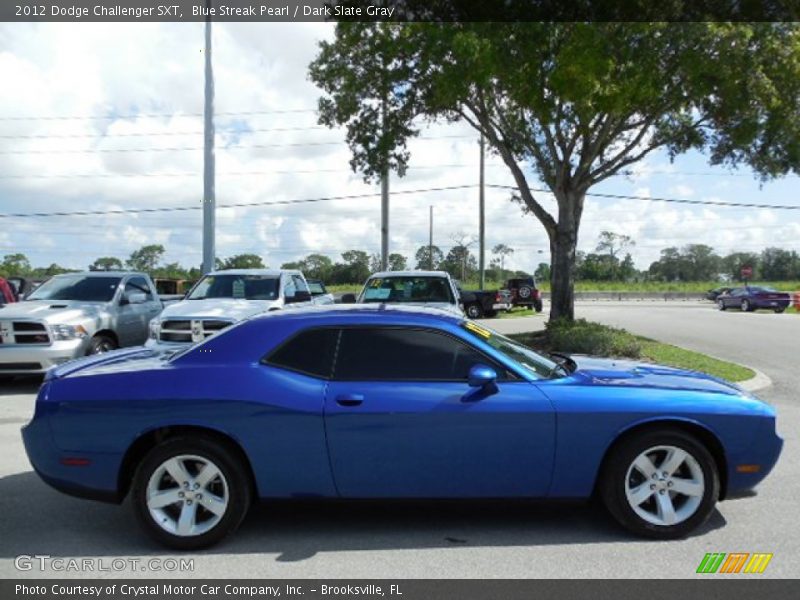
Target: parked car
{"x": 319, "y": 293}
{"x": 750, "y": 298}
{"x": 390, "y": 402}
{"x": 483, "y": 303}
{"x": 73, "y": 315}
{"x": 7, "y": 292}
{"x": 434, "y": 289}
{"x": 222, "y": 298}
{"x": 716, "y": 292}
{"x": 525, "y": 293}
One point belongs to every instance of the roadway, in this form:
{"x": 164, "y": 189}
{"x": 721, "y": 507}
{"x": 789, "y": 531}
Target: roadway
{"x": 431, "y": 540}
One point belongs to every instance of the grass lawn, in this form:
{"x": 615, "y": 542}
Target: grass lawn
{"x": 585, "y": 337}
{"x": 516, "y": 313}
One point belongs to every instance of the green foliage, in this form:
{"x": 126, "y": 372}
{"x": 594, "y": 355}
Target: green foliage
{"x": 423, "y": 258}
{"x": 243, "y": 261}
{"x": 585, "y": 337}
{"x": 146, "y": 258}
{"x": 15, "y": 264}
{"x": 106, "y": 263}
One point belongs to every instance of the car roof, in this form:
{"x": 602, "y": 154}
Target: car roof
{"x": 102, "y": 274}
{"x": 365, "y": 313}
{"x": 263, "y": 272}
{"x": 385, "y": 274}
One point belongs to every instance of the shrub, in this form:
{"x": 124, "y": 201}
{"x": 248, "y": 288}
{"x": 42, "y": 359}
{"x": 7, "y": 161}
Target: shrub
{"x": 585, "y": 337}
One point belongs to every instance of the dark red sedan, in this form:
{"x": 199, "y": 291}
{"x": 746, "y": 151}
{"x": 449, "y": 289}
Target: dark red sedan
{"x": 750, "y": 298}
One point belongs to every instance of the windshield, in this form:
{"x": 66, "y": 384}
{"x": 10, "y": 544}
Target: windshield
{"x": 532, "y": 361}
{"x": 245, "y": 287}
{"x": 77, "y": 287}
{"x": 407, "y": 289}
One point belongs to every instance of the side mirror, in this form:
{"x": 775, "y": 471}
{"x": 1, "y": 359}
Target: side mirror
{"x": 299, "y": 296}
{"x": 348, "y": 299}
{"x": 481, "y": 376}
{"x": 134, "y": 298}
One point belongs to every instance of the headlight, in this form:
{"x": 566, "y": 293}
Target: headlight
{"x": 68, "y": 332}
{"x": 155, "y": 328}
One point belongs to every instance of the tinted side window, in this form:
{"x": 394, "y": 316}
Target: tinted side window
{"x": 310, "y": 352}
{"x": 388, "y": 354}
{"x": 138, "y": 285}
{"x": 299, "y": 284}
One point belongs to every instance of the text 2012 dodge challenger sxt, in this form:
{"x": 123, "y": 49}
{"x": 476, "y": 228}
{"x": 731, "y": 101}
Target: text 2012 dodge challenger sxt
{"x": 377, "y": 401}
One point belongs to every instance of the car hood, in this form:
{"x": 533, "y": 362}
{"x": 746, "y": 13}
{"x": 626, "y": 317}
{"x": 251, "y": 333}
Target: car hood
{"x": 223, "y": 308}
{"x": 628, "y": 373}
{"x": 52, "y": 311}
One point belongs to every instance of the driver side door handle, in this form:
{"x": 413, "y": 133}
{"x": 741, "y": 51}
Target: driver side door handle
{"x": 349, "y": 399}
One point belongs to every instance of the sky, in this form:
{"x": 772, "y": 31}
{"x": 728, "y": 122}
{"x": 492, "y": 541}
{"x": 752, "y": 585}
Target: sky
{"x": 99, "y": 117}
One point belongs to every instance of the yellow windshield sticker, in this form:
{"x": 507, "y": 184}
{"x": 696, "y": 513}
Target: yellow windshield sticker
{"x": 477, "y": 329}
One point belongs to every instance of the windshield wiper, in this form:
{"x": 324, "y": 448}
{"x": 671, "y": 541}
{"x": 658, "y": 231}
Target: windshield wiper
{"x": 562, "y": 361}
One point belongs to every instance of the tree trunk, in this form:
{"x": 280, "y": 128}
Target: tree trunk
{"x": 563, "y": 246}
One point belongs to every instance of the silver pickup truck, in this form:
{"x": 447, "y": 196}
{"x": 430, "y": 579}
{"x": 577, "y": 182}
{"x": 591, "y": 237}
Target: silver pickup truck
{"x": 74, "y": 315}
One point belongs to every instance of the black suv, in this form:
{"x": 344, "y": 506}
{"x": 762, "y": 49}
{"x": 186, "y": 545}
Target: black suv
{"x": 524, "y": 293}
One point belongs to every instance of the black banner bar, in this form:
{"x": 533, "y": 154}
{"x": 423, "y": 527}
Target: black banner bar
{"x": 711, "y": 588}
{"x": 398, "y": 10}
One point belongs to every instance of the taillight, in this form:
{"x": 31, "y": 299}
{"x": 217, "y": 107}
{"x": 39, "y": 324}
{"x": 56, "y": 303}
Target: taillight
{"x": 536, "y": 294}
{"x": 498, "y": 297}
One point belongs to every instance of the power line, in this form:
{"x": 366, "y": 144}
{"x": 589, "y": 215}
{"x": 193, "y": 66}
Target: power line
{"x": 163, "y": 209}
{"x": 155, "y": 115}
{"x": 672, "y": 200}
{"x": 193, "y": 148}
{"x": 153, "y": 133}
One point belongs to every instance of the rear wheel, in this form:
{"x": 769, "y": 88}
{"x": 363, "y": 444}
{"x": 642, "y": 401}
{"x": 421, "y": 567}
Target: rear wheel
{"x": 779, "y": 310}
{"x": 661, "y": 484}
{"x": 537, "y": 305}
{"x": 721, "y": 305}
{"x": 746, "y": 306}
{"x": 190, "y": 492}
{"x": 474, "y": 311}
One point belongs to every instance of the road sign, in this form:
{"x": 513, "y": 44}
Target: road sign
{"x": 747, "y": 272}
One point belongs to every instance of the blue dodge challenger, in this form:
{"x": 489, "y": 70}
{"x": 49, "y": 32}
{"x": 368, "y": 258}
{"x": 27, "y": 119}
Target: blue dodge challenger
{"x": 377, "y": 401}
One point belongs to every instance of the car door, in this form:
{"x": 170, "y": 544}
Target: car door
{"x": 133, "y": 318}
{"x": 401, "y": 420}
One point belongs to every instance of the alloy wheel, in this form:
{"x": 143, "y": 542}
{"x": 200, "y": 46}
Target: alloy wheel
{"x": 187, "y": 495}
{"x": 665, "y": 485}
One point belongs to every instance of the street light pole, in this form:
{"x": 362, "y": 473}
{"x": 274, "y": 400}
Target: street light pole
{"x": 209, "y": 199}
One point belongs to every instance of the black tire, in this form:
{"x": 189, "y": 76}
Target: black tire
{"x": 721, "y": 305}
{"x": 525, "y": 292}
{"x": 779, "y": 310}
{"x": 746, "y": 307}
{"x": 617, "y": 473}
{"x": 233, "y": 474}
{"x": 537, "y": 305}
{"x": 474, "y": 311}
{"x": 100, "y": 344}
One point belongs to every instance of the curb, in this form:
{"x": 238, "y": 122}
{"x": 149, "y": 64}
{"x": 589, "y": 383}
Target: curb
{"x": 759, "y": 382}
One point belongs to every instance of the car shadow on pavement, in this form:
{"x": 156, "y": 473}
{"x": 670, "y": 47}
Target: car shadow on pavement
{"x": 20, "y": 385}
{"x": 39, "y": 520}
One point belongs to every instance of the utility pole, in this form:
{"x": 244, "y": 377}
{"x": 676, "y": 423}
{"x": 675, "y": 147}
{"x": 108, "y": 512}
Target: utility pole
{"x": 482, "y": 219}
{"x": 209, "y": 199}
{"x": 384, "y": 198}
{"x": 430, "y": 240}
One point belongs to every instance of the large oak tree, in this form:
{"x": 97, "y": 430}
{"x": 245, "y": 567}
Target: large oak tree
{"x": 575, "y": 102}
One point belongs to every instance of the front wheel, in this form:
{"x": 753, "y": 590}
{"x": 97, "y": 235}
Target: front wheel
{"x": 779, "y": 310}
{"x": 661, "y": 484}
{"x": 474, "y": 311}
{"x": 101, "y": 344}
{"x": 190, "y": 492}
{"x": 746, "y": 306}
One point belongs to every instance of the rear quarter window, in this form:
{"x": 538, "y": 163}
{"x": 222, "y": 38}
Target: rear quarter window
{"x": 309, "y": 352}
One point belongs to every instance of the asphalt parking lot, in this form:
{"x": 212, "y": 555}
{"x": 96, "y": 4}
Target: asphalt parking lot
{"x": 431, "y": 540}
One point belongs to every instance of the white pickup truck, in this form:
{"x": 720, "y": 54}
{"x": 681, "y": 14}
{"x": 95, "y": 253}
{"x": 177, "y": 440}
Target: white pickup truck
{"x": 222, "y": 298}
